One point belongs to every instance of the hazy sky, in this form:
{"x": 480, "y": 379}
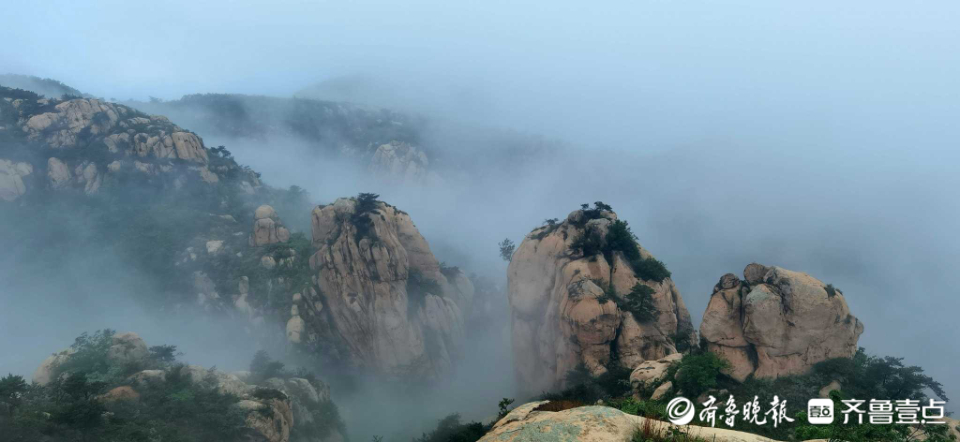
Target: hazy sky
{"x": 818, "y": 135}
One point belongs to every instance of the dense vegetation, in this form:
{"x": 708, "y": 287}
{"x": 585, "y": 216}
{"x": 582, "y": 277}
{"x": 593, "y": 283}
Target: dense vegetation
{"x": 90, "y": 399}
{"x": 72, "y": 406}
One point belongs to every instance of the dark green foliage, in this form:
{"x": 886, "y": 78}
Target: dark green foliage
{"x": 69, "y": 408}
{"x": 698, "y": 373}
{"x": 588, "y": 243}
{"x": 77, "y": 397}
{"x": 164, "y": 355}
{"x": 507, "y": 248}
{"x": 449, "y": 429}
{"x": 504, "y": 407}
{"x": 326, "y": 419}
{"x": 90, "y": 358}
{"x": 263, "y": 367}
{"x": 832, "y": 291}
{"x": 12, "y": 389}
{"x": 449, "y": 272}
{"x": 639, "y": 302}
{"x": 595, "y": 213}
{"x": 650, "y": 269}
{"x": 682, "y": 340}
{"x": 621, "y": 239}
{"x": 268, "y": 394}
{"x": 418, "y": 287}
{"x": 582, "y": 387}
{"x": 366, "y": 205}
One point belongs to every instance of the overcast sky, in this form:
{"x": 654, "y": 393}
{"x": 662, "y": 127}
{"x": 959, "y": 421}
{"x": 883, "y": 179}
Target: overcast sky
{"x": 818, "y": 135}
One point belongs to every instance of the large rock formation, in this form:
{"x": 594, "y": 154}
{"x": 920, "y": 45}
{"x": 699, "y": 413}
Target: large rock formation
{"x": 777, "y": 322}
{"x": 380, "y": 295}
{"x": 267, "y": 228}
{"x": 12, "y": 176}
{"x": 536, "y": 421}
{"x": 566, "y": 304}
{"x": 398, "y": 161}
{"x": 76, "y": 122}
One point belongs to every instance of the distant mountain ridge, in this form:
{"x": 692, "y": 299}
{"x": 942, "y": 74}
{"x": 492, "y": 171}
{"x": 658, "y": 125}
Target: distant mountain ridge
{"x": 47, "y": 87}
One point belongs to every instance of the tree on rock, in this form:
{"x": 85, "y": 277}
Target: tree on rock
{"x": 506, "y": 249}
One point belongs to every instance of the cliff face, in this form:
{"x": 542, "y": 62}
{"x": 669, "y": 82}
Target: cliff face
{"x": 592, "y": 304}
{"x": 380, "y": 291}
{"x": 777, "y": 322}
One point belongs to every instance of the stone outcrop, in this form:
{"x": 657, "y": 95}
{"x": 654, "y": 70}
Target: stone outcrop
{"x": 380, "y": 298}
{"x": 596, "y": 424}
{"x": 649, "y": 373}
{"x": 12, "y": 176}
{"x": 59, "y": 173}
{"x": 73, "y": 123}
{"x": 777, "y": 322}
{"x": 402, "y": 162}
{"x": 267, "y": 228}
{"x": 562, "y": 317}
{"x": 125, "y": 348}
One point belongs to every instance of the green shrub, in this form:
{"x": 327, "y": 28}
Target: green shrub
{"x": 263, "y": 367}
{"x": 418, "y": 287}
{"x": 650, "y": 269}
{"x": 583, "y": 387}
{"x": 366, "y": 205}
{"x": 507, "y": 248}
{"x": 698, "y": 373}
{"x": 449, "y": 429}
{"x": 587, "y": 243}
{"x": 450, "y": 272}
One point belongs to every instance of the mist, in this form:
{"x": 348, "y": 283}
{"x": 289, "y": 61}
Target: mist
{"x": 820, "y": 137}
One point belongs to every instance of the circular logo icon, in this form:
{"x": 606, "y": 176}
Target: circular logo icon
{"x": 680, "y": 411}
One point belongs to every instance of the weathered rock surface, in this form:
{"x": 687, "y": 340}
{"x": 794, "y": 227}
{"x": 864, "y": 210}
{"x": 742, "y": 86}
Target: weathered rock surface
{"x": 649, "y": 373}
{"x": 12, "y": 175}
{"x": 561, "y": 317}
{"x": 595, "y": 424}
{"x": 777, "y": 322}
{"x": 381, "y": 298}
{"x": 75, "y": 122}
{"x": 402, "y": 162}
{"x": 267, "y": 228}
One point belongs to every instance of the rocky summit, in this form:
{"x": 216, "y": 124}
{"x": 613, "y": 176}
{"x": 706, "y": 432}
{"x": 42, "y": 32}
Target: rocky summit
{"x": 380, "y": 289}
{"x": 583, "y": 292}
{"x": 776, "y": 322}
